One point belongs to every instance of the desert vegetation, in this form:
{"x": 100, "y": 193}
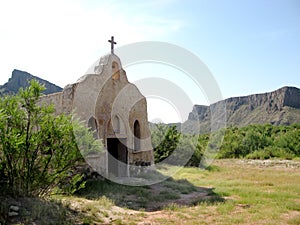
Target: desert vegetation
{"x": 41, "y": 183}
{"x": 250, "y": 142}
{"x": 231, "y": 191}
{"x": 38, "y": 151}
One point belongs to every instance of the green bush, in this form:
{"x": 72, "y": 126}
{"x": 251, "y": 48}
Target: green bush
{"x": 271, "y": 152}
{"x": 290, "y": 140}
{"x": 198, "y": 150}
{"x": 38, "y": 149}
{"x": 232, "y": 146}
{"x": 252, "y": 141}
{"x": 258, "y": 154}
{"x": 261, "y": 142}
{"x": 165, "y": 140}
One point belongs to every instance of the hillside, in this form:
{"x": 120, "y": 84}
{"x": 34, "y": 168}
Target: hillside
{"x": 280, "y": 107}
{"x": 20, "y": 79}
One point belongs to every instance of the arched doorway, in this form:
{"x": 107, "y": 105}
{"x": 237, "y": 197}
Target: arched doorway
{"x": 116, "y": 148}
{"x": 137, "y": 135}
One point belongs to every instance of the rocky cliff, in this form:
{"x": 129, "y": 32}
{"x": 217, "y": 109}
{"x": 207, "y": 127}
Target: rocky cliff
{"x": 280, "y": 107}
{"x": 20, "y": 79}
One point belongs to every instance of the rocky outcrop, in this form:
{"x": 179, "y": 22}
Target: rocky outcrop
{"x": 280, "y": 107}
{"x": 291, "y": 97}
{"x": 20, "y": 79}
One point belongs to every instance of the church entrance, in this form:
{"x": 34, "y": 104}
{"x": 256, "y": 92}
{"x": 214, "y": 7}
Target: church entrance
{"x": 117, "y": 157}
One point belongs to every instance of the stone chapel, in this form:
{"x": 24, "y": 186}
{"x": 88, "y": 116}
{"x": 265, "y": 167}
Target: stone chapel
{"x": 116, "y": 110}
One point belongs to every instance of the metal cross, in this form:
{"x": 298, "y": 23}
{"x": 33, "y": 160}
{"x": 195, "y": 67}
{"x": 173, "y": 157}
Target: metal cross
{"x": 112, "y": 43}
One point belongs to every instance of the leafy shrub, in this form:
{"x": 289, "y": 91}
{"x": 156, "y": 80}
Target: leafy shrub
{"x": 165, "y": 140}
{"x": 258, "y": 154}
{"x": 38, "y": 149}
{"x": 252, "y": 141}
{"x": 199, "y": 149}
{"x": 261, "y": 142}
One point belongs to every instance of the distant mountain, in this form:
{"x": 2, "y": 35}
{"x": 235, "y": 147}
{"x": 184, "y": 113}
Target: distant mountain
{"x": 280, "y": 107}
{"x": 20, "y": 79}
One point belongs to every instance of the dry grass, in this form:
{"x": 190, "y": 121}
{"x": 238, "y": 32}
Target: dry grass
{"x": 231, "y": 192}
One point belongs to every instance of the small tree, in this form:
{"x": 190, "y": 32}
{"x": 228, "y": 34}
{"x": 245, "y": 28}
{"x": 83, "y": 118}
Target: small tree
{"x": 290, "y": 141}
{"x": 165, "y": 139}
{"x": 232, "y": 146}
{"x": 37, "y": 148}
{"x": 201, "y": 145}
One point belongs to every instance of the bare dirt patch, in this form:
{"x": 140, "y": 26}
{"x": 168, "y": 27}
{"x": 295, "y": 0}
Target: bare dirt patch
{"x": 291, "y": 215}
{"x": 274, "y": 163}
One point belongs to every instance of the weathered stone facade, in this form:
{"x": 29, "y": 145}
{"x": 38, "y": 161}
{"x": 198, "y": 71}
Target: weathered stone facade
{"x": 116, "y": 110}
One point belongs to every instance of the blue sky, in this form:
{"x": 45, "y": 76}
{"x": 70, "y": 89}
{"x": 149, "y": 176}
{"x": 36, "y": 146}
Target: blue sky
{"x": 249, "y": 46}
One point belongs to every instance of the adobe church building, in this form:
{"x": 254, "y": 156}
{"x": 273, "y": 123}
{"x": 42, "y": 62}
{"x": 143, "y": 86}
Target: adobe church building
{"x": 117, "y": 112}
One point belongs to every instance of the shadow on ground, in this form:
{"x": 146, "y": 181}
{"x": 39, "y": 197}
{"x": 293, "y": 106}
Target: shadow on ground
{"x": 150, "y": 198}
{"x": 26, "y": 210}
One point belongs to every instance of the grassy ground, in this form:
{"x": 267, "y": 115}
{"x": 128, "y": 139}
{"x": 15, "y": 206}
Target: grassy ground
{"x": 254, "y": 193}
{"x": 230, "y": 192}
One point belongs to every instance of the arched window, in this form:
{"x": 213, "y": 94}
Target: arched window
{"x": 137, "y": 135}
{"x": 115, "y": 71}
{"x": 116, "y": 124}
{"x": 92, "y": 124}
